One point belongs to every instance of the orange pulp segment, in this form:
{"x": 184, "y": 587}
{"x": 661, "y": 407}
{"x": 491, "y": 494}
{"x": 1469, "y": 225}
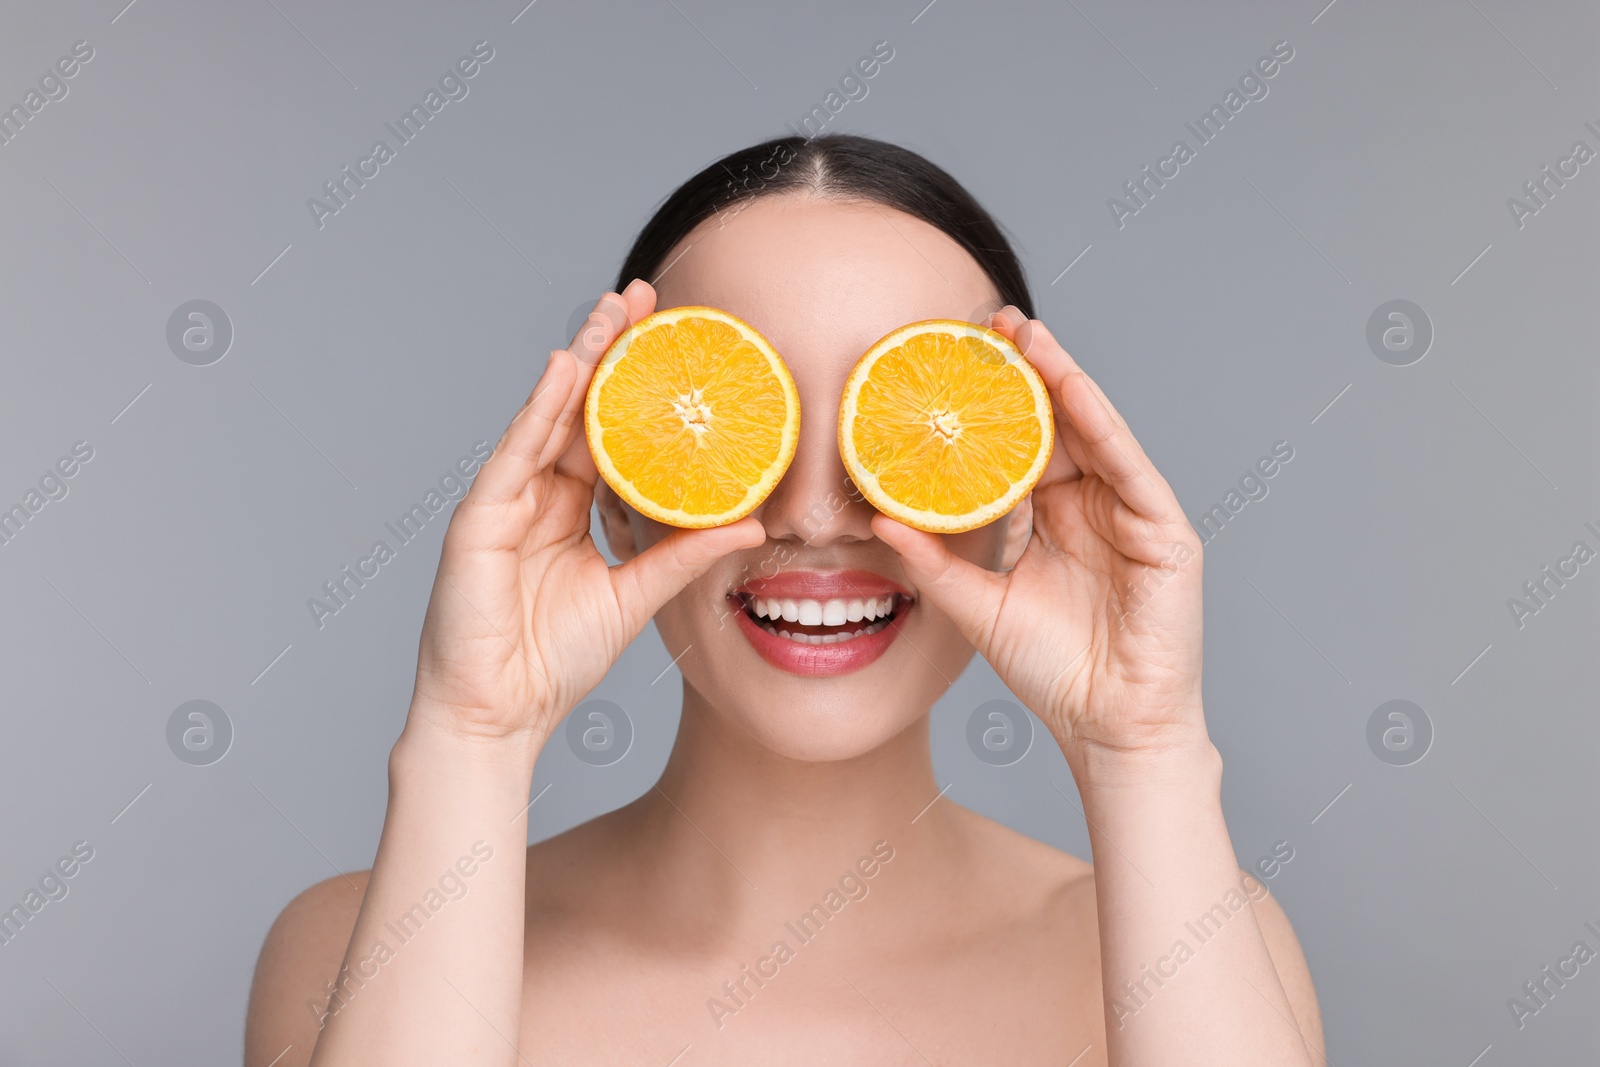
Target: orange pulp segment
{"x": 692, "y": 417}
{"x": 945, "y": 426}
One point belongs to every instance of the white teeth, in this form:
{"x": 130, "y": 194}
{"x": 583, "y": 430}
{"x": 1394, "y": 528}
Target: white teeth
{"x": 873, "y": 611}
{"x": 827, "y": 639}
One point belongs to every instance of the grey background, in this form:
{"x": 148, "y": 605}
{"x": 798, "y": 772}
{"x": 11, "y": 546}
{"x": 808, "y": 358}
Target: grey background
{"x": 1225, "y": 316}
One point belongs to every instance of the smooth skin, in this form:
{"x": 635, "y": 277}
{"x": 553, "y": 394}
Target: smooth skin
{"x": 610, "y": 943}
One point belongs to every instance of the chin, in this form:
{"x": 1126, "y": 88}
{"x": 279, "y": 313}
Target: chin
{"x": 819, "y": 726}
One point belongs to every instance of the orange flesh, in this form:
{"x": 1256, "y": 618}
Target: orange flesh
{"x": 945, "y": 424}
{"x": 693, "y": 416}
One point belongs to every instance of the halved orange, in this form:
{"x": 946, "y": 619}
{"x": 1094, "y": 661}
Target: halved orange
{"x": 945, "y": 426}
{"x": 692, "y": 417}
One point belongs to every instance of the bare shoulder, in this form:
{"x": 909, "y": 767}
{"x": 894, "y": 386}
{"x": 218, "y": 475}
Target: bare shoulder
{"x": 1051, "y": 892}
{"x": 1289, "y": 960}
{"x": 301, "y": 954}
{"x": 588, "y": 871}
{"x": 1040, "y": 882}
{"x": 1000, "y": 843}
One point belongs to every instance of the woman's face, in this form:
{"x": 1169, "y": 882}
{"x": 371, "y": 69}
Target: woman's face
{"x": 821, "y": 280}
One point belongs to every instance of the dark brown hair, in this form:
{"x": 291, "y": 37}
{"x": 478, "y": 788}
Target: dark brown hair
{"x": 832, "y": 165}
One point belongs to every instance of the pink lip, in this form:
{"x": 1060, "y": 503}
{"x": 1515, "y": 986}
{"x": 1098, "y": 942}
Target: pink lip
{"x": 822, "y": 585}
{"x": 822, "y": 660}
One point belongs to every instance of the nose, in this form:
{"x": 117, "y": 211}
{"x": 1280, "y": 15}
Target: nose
{"x": 816, "y": 502}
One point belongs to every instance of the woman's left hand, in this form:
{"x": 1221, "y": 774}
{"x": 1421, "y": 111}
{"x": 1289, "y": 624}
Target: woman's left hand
{"x": 1097, "y": 627}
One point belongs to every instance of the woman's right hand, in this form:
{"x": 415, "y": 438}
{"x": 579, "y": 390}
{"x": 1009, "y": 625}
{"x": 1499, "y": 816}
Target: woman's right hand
{"x": 526, "y": 616}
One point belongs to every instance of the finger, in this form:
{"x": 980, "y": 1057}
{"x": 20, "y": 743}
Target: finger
{"x": 1113, "y": 453}
{"x": 516, "y": 457}
{"x": 1028, "y": 333}
{"x": 1065, "y": 463}
{"x": 1103, "y": 442}
{"x": 611, "y": 316}
{"x": 660, "y": 572}
{"x": 966, "y": 592}
{"x": 606, "y": 321}
{"x": 1066, "y": 458}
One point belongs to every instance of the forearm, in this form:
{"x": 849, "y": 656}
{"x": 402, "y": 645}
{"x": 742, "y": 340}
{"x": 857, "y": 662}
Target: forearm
{"x": 433, "y": 972}
{"x": 1186, "y": 972}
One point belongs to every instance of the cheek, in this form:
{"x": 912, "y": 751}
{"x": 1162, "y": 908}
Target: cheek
{"x": 701, "y": 617}
{"x": 940, "y": 650}
{"x": 685, "y": 618}
{"x": 934, "y": 631}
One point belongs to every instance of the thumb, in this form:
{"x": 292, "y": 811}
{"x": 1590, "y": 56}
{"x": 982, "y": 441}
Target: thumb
{"x": 660, "y": 572}
{"x": 966, "y": 592}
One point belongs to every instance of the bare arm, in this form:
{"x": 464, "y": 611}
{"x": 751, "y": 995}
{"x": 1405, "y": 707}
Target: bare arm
{"x": 432, "y": 934}
{"x": 1096, "y": 626}
{"x": 525, "y": 618}
{"x": 1198, "y": 963}
{"x": 433, "y": 969}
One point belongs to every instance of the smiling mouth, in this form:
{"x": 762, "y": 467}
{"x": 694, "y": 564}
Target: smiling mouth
{"x": 823, "y": 622}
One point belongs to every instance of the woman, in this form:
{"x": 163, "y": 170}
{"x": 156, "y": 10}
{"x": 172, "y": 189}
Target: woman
{"x": 794, "y": 889}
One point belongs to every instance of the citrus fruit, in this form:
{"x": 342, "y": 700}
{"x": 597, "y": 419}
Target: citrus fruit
{"x": 692, "y": 417}
{"x": 944, "y": 425}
